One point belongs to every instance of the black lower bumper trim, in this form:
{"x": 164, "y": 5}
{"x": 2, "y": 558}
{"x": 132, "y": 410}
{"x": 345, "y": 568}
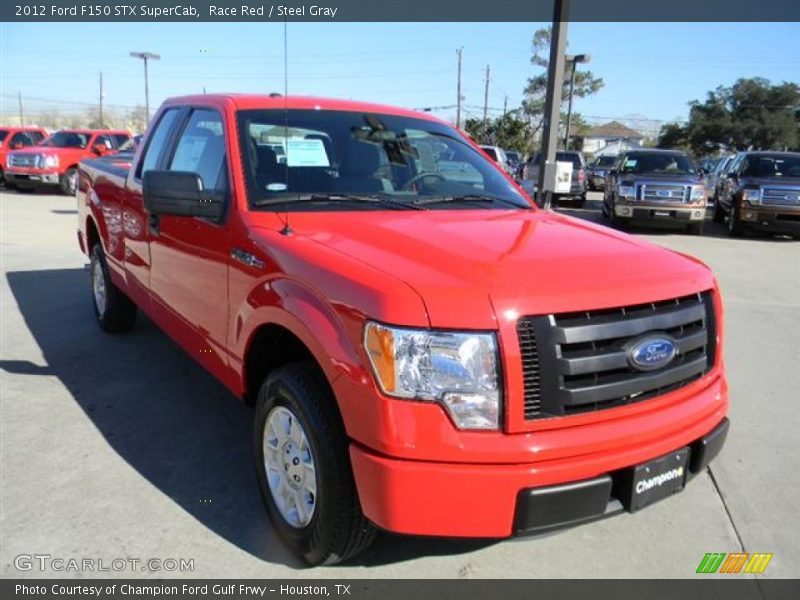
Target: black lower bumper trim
{"x": 553, "y": 507}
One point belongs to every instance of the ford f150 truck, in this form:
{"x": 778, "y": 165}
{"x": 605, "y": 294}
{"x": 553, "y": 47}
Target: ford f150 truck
{"x": 760, "y": 191}
{"x": 54, "y": 162}
{"x": 656, "y": 188}
{"x": 426, "y": 354}
{"x": 15, "y": 138}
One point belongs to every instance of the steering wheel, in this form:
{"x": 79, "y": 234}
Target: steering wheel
{"x": 420, "y": 177}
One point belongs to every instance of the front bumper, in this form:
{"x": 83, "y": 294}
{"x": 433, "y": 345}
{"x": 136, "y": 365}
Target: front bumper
{"x": 493, "y": 500}
{"x": 776, "y": 220}
{"x": 31, "y": 177}
{"x": 665, "y": 214}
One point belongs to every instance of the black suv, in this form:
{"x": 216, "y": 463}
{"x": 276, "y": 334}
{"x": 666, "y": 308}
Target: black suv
{"x": 760, "y": 190}
{"x": 661, "y": 188}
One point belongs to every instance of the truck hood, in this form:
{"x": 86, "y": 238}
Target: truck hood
{"x": 471, "y": 266}
{"x": 52, "y": 150}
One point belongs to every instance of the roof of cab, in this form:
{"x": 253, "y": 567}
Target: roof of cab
{"x": 263, "y": 101}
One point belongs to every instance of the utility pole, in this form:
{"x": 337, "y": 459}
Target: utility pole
{"x": 101, "y": 100}
{"x": 146, "y": 56}
{"x": 574, "y": 60}
{"x": 552, "y": 110}
{"x": 21, "y": 114}
{"x": 458, "y": 90}
{"x": 505, "y": 106}
{"x": 486, "y": 98}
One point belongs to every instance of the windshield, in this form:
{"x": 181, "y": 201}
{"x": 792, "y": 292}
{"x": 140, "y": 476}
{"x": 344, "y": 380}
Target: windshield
{"x": 771, "y": 165}
{"x": 653, "y": 162}
{"x": 347, "y": 157}
{"x": 67, "y": 139}
{"x": 605, "y": 161}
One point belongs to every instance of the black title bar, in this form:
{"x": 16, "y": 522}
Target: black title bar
{"x": 396, "y": 10}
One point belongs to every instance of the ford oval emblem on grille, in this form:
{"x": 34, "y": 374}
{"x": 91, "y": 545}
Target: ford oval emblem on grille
{"x": 652, "y": 352}
{"x": 663, "y": 193}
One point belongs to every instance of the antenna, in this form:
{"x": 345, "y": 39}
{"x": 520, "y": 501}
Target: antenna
{"x": 287, "y": 229}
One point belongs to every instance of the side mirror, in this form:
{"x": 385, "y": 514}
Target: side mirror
{"x": 180, "y": 194}
{"x": 100, "y": 149}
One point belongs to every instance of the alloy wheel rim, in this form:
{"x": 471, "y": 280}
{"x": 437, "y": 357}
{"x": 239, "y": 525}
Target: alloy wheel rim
{"x": 290, "y": 468}
{"x": 99, "y": 289}
{"x": 72, "y": 181}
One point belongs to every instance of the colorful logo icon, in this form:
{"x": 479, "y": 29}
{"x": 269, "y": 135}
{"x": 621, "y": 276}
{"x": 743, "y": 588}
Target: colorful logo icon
{"x": 735, "y": 562}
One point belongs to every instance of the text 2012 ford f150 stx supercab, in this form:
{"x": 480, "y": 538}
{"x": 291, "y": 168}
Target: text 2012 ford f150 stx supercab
{"x": 428, "y": 353}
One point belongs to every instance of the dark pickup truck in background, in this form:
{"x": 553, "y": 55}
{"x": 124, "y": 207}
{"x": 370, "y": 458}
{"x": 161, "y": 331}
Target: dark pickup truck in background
{"x": 760, "y": 191}
{"x": 661, "y": 188}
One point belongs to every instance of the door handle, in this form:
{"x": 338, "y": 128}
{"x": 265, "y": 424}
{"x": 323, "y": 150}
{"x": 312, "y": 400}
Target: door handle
{"x": 154, "y": 222}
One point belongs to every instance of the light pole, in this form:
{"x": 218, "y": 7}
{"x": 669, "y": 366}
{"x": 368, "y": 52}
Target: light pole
{"x": 146, "y": 56}
{"x": 574, "y": 59}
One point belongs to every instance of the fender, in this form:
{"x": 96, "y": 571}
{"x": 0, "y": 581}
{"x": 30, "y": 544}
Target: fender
{"x": 331, "y": 337}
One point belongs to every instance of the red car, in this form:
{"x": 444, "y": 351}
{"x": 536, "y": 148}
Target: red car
{"x": 54, "y": 162}
{"x": 15, "y": 138}
{"x": 427, "y": 352}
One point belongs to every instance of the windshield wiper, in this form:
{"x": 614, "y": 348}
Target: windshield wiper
{"x": 333, "y": 198}
{"x": 466, "y": 198}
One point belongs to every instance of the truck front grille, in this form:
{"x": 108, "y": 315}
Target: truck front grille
{"x": 23, "y": 160}
{"x": 780, "y": 195}
{"x": 578, "y": 362}
{"x": 659, "y": 192}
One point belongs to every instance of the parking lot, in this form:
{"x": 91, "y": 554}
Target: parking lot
{"x": 122, "y": 447}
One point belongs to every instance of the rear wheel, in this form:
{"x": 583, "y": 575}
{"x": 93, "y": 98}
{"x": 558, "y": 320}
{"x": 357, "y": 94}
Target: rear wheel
{"x": 114, "y": 311}
{"x": 69, "y": 182}
{"x": 303, "y": 467}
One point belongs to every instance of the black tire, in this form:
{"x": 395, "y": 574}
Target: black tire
{"x": 582, "y": 199}
{"x": 69, "y": 182}
{"x": 119, "y": 313}
{"x": 695, "y": 228}
{"x": 719, "y": 215}
{"x": 23, "y": 189}
{"x": 735, "y": 227}
{"x": 338, "y": 529}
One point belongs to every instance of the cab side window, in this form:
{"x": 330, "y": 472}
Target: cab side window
{"x": 201, "y": 149}
{"x": 21, "y": 139}
{"x": 104, "y": 140}
{"x": 157, "y": 142}
{"x": 120, "y": 138}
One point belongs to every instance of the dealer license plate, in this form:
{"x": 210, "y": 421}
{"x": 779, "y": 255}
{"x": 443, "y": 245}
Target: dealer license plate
{"x": 654, "y": 480}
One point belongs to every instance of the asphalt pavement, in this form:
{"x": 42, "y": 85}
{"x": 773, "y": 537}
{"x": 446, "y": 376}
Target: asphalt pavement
{"x": 121, "y": 447}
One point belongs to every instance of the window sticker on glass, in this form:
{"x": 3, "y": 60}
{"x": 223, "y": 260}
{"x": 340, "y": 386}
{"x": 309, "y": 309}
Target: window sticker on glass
{"x": 630, "y": 163}
{"x": 306, "y": 153}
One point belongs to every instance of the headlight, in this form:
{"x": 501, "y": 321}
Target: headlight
{"x": 456, "y": 369}
{"x": 698, "y": 193}
{"x": 627, "y": 191}
{"x": 753, "y": 196}
{"x": 49, "y": 161}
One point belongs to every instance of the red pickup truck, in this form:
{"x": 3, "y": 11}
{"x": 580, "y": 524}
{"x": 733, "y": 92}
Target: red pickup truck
{"x": 54, "y": 162}
{"x": 427, "y": 352}
{"x": 15, "y": 138}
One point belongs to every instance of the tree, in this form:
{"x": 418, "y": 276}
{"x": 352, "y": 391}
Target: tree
{"x": 137, "y": 119}
{"x": 507, "y": 131}
{"x": 674, "y": 136}
{"x": 750, "y": 113}
{"x": 535, "y": 91}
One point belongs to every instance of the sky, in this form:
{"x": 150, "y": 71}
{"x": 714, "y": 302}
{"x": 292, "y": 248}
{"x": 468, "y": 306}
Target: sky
{"x": 650, "y": 70}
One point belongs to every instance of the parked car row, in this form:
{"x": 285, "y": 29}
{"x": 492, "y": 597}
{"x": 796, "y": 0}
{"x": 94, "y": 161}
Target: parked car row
{"x": 751, "y": 190}
{"x": 31, "y": 160}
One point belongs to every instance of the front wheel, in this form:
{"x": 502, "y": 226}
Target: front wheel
{"x": 69, "y": 182}
{"x": 719, "y": 216}
{"x": 735, "y": 226}
{"x": 695, "y": 228}
{"x": 303, "y": 467}
{"x": 114, "y": 311}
